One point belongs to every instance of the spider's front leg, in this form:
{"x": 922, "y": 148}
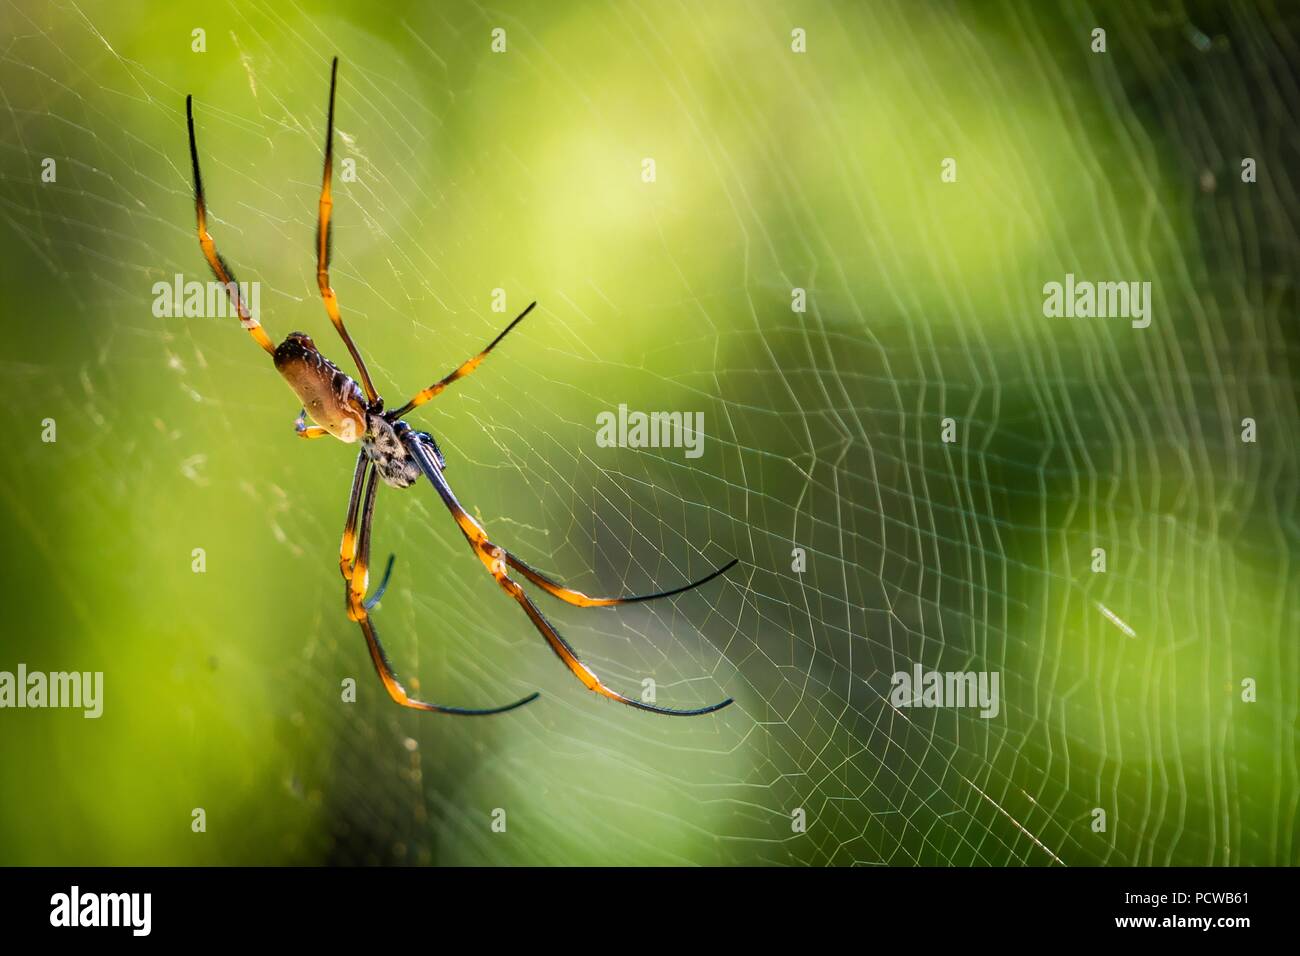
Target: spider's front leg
{"x": 354, "y": 558}
{"x": 348, "y": 546}
{"x": 497, "y": 560}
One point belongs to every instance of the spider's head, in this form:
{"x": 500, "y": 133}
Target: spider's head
{"x": 332, "y": 399}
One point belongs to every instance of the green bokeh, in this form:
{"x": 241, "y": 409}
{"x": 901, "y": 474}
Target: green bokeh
{"x": 523, "y": 171}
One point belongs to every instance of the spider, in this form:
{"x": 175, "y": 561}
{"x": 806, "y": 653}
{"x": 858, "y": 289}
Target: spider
{"x": 397, "y": 454}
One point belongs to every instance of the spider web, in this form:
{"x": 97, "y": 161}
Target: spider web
{"x": 522, "y": 171}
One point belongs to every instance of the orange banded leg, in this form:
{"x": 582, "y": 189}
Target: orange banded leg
{"x": 323, "y": 244}
{"x": 307, "y": 431}
{"x": 461, "y": 370}
{"x": 578, "y": 599}
{"x": 358, "y": 576}
{"x": 565, "y": 652}
{"x": 347, "y": 550}
{"x": 358, "y": 610}
{"x": 209, "y": 247}
{"x": 348, "y": 546}
{"x": 383, "y": 584}
{"x": 477, "y": 537}
{"x": 495, "y": 560}
{"x": 399, "y": 695}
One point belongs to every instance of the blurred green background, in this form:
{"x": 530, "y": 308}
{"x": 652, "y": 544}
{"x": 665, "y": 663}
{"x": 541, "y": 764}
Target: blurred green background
{"x": 522, "y": 171}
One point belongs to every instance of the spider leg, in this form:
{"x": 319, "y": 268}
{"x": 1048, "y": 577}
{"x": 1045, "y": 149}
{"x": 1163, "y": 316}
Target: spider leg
{"x": 383, "y": 584}
{"x": 307, "y": 431}
{"x": 493, "y": 559}
{"x": 348, "y": 548}
{"x": 565, "y": 652}
{"x": 323, "y": 244}
{"x": 209, "y": 247}
{"x": 398, "y": 692}
{"x": 578, "y": 599}
{"x": 358, "y": 609}
{"x": 459, "y": 372}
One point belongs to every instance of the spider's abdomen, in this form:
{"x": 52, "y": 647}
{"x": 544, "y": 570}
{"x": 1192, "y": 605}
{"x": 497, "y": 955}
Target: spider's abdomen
{"x": 393, "y": 462}
{"x": 332, "y": 399}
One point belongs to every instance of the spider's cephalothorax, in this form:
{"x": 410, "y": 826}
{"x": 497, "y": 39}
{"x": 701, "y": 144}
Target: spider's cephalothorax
{"x": 395, "y": 453}
{"x": 393, "y": 462}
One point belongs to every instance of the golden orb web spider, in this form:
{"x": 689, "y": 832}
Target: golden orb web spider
{"x": 393, "y": 451}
